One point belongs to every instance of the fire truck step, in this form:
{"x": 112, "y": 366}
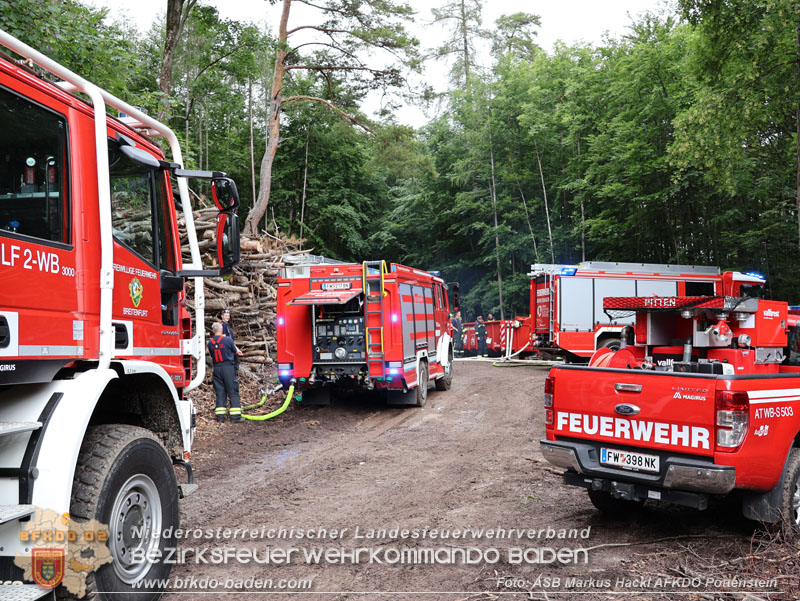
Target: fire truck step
{"x": 24, "y": 592}
{"x": 16, "y": 427}
{"x": 13, "y": 512}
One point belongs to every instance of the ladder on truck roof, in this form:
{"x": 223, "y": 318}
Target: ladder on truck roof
{"x": 372, "y": 277}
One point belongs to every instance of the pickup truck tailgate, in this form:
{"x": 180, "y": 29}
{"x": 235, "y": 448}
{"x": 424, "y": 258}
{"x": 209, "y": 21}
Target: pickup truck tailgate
{"x": 633, "y": 408}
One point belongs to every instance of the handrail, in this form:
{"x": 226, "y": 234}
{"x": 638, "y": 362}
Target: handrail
{"x": 99, "y": 98}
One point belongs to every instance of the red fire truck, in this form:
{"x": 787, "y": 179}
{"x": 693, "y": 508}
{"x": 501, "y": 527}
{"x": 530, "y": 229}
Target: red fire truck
{"x": 700, "y": 400}
{"x": 96, "y": 342}
{"x": 566, "y": 301}
{"x": 347, "y": 326}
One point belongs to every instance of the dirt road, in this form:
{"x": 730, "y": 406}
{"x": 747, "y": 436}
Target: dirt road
{"x": 463, "y": 472}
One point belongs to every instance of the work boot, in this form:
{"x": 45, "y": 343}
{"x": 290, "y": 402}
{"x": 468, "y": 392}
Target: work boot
{"x": 236, "y": 419}
{"x": 221, "y": 418}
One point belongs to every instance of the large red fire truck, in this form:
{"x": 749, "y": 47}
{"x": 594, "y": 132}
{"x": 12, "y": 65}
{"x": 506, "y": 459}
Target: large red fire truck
{"x": 96, "y": 342}
{"x": 566, "y": 305}
{"x": 345, "y": 326}
{"x": 699, "y": 401}
{"x": 566, "y": 301}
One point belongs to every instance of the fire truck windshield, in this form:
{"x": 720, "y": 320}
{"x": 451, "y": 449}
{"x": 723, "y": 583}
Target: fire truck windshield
{"x": 752, "y": 290}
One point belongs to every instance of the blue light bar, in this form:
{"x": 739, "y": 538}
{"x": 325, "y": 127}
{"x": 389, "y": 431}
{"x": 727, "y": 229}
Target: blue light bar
{"x": 569, "y": 270}
{"x": 437, "y": 273}
{"x": 754, "y": 274}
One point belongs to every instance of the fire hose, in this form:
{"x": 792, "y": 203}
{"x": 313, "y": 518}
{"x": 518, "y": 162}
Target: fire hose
{"x": 278, "y": 411}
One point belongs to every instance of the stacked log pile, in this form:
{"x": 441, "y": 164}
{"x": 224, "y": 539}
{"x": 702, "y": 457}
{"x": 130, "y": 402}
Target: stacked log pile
{"x": 250, "y": 293}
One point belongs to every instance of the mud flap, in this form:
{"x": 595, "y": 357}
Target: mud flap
{"x": 765, "y": 506}
{"x": 400, "y": 398}
{"x": 315, "y": 397}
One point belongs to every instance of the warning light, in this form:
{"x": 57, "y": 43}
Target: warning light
{"x": 394, "y": 371}
{"x": 280, "y": 321}
{"x": 394, "y": 317}
{"x": 569, "y": 270}
{"x": 285, "y": 372}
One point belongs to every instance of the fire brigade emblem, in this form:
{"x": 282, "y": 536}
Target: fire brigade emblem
{"x": 48, "y": 567}
{"x": 137, "y": 291}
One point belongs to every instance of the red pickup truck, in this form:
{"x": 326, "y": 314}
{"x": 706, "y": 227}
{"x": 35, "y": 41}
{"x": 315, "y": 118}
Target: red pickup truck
{"x": 701, "y": 400}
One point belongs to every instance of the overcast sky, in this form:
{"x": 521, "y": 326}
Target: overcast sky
{"x": 566, "y": 20}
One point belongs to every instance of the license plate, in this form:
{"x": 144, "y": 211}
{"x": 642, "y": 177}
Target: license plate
{"x": 629, "y": 460}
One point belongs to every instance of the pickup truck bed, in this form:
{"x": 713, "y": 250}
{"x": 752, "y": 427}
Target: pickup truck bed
{"x": 628, "y": 435}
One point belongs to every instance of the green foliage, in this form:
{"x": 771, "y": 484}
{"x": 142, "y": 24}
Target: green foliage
{"x": 76, "y": 36}
{"x": 676, "y": 143}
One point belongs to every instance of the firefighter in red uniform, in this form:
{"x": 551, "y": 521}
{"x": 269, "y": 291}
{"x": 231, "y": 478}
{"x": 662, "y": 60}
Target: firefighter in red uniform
{"x": 226, "y": 385}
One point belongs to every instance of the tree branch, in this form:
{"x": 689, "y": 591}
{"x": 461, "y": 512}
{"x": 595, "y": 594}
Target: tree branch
{"x": 340, "y": 68}
{"x": 317, "y": 28}
{"x": 331, "y": 106}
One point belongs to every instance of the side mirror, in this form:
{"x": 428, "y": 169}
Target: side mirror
{"x": 228, "y": 250}
{"x": 224, "y": 193}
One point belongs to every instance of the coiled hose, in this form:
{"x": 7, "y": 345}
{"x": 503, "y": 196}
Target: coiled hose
{"x": 278, "y": 411}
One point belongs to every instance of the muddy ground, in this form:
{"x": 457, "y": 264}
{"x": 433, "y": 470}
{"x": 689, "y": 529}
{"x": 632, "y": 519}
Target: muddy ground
{"x": 470, "y": 458}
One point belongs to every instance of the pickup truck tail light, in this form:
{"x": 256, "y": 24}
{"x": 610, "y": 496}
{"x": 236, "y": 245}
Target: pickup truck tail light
{"x": 733, "y": 411}
{"x": 549, "y": 391}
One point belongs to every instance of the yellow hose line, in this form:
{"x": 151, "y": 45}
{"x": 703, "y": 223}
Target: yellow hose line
{"x": 281, "y": 409}
{"x": 256, "y": 405}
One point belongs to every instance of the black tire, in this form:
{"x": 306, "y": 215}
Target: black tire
{"x": 422, "y": 385}
{"x": 446, "y": 380}
{"x": 612, "y": 343}
{"x": 125, "y": 470}
{"x": 790, "y": 495}
{"x": 615, "y": 508}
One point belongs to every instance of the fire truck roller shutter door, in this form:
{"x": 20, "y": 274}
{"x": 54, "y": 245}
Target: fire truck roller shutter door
{"x": 576, "y": 314}
{"x": 657, "y": 287}
{"x": 420, "y": 335}
{"x": 407, "y": 320}
{"x": 612, "y": 287}
{"x": 430, "y": 326}
{"x": 326, "y": 297}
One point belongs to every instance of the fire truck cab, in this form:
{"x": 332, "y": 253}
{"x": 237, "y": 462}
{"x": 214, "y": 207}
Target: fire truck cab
{"x": 97, "y": 345}
{"x": 345, "y": 326}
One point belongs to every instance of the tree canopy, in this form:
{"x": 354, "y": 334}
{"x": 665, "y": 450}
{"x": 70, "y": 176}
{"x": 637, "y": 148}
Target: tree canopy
{"x": 676, "y": 142}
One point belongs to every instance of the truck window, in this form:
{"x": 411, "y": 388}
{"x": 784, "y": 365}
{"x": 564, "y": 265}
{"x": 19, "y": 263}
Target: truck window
{"x": 34, "y": 198}
{"x": 699, "y": 288}
{"x": 139, "y": 209}
{"x": 166, "y": 252}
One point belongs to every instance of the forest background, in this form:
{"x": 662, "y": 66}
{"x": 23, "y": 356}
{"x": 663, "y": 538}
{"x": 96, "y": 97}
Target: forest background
{"x": 676, "y": 142}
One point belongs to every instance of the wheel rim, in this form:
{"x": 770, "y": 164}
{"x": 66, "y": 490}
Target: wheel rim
{"x": 135, "y": 526}
{"x": 423, "y": 382}
{"x": 796, "y": 505}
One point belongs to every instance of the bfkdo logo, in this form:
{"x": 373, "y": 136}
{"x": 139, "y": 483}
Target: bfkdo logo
{"x": 60, "y": 551}
{"x": 48, "y": 567}
{"x": 137, "y": 290}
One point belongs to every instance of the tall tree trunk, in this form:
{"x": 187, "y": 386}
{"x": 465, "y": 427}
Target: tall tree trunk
{"x": 177, "y": 13}
{"x": 797, "y": 126}
{"x": 546, "y": 206}
{"x": 200, "y": 144}
{"x": 583, "y": 214}
{"x": 465, "y": 42}
{"x": 305, "y": 181}
{"x": 252, "y": 151}
{"x": 496, "y": 236}
{"x": 273, "y": 128}
{"x": 528, "y": 219}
